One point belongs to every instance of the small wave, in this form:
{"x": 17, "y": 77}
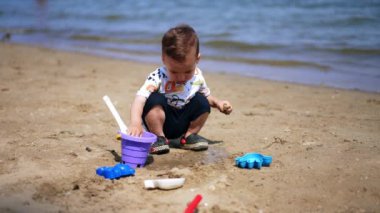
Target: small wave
{"x": 353, "y": 51}
{"x": 252, "y": 61}
{"x": 311, "y": 5}
{"x": 348, "y": 22}
{"x": 275, "y": 63}
{"x": 217, "y": 35}
{"x": 349, "y": 51}
{"x": 132, "y": 52}
{"x": 95, "y": 38}
{"x": 114, "y": 17}
{"x": 358, "y": 20}
{"x": 64, "y": 15}
{"x": 112, "y": 39}
{"x": 24, "y": 31}
{"x": 223, "y": 44}
{"x": 89, "y": 16}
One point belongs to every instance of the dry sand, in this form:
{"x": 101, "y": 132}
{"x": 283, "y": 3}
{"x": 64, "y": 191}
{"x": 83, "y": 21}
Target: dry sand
{"x": 55, "y": 131}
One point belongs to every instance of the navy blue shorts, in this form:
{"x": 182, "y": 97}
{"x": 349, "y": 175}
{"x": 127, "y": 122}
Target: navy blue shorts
{"x": 177, "y": 121}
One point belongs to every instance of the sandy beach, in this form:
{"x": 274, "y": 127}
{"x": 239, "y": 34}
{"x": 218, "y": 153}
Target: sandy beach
{"x": 55, "y": 130}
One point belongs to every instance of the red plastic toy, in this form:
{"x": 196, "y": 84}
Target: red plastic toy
{"x": 193, "y": 205}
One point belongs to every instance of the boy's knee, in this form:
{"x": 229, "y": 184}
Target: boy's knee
{"x": 202, "y": 102}
{"x": 154, "y": 100}
{"x": 200, "y": 106}
{"x": 156, "y": 110}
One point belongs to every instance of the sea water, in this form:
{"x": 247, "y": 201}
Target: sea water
{"x": 322, "y": 42}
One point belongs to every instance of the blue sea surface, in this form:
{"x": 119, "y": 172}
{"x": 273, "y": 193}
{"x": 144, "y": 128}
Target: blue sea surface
{"x": 321, "y": 42}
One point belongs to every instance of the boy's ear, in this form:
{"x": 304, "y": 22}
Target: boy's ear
{"x": 198, "y": 57}
{"x": 163, "y": 57}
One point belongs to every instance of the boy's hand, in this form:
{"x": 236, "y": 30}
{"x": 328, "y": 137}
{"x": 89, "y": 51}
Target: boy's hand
{"x": 135, "y": 130}
{"x": 224, "y": 107}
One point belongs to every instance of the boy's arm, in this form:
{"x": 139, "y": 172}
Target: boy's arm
{"x": 222, "y": 105}
{"x": 135, "y": 127}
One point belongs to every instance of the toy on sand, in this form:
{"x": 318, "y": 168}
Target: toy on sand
{"x": 116, "y": 115}
{"x": 114, "y": 172}
{"x": 253, "y": 160}
{"x": 166, "y": 184}
{"x": 191, "y": 207}
{"x": 134, "y": 150}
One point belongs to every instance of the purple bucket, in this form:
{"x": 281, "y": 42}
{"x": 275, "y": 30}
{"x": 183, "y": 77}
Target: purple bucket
{"x": 135, "y": 150}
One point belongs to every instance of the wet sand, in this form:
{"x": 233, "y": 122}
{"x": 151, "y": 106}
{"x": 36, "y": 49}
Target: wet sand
{"x": 55, "y": 131}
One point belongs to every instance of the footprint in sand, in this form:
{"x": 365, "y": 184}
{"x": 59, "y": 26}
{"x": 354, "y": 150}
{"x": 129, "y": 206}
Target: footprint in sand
{"x": 84, "y": 107}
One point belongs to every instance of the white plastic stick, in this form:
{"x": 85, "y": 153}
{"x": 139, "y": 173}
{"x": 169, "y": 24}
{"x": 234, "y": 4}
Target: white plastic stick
{"x": 120, "y": 122}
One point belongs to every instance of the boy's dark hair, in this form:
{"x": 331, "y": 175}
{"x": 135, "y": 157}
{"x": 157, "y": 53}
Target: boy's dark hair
{"x": 178, "y": 41}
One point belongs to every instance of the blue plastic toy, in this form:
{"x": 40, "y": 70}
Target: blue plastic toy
{"x": 117, "y": 171}
{"x": 253, "y": 160}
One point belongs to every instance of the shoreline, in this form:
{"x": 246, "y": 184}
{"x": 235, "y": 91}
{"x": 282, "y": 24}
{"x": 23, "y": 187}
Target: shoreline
{"x": 287, "y": 71}
{"x": 55, "y": 131}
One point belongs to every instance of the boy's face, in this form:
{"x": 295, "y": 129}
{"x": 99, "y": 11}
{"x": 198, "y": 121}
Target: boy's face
{"x": 181, "y": 71}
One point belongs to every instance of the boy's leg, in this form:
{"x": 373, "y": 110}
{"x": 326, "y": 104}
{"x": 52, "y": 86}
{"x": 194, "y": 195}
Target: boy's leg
{"x": 197, "y": 112}
{"x": 197, "y": 124}
{"x": 192, "y": 140}
{"x": 162, "y": 119}
{"x": 154, "y": 118}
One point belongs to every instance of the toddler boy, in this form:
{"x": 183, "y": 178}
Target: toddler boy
{"x": 174, "y": 101}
